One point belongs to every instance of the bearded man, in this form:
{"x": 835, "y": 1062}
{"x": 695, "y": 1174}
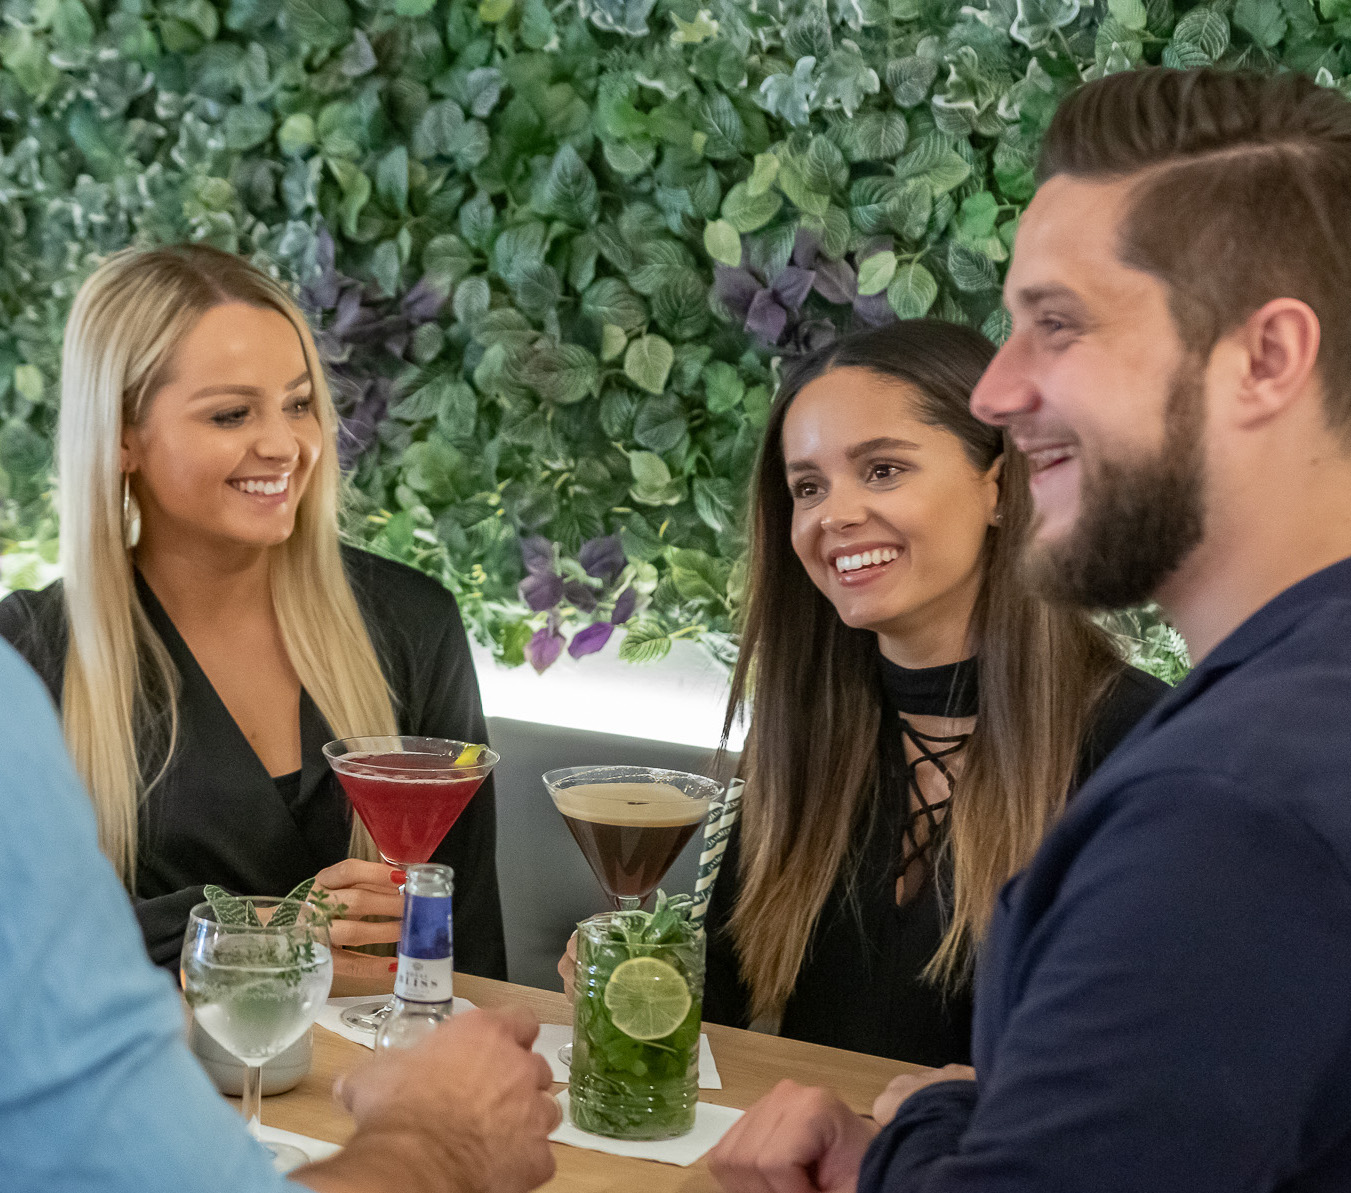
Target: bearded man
{"x": 1164, "y": 996}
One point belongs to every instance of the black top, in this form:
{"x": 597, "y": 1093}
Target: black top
{"x": 860, "y": 986}
{"x": 217, "y": 816}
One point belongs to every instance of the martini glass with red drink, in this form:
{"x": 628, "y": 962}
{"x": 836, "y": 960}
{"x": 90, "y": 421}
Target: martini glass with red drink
{"x": 631, "y": 823}
{"x": 408, "y": 791}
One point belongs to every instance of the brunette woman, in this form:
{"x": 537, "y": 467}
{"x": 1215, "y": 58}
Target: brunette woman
{"x": 209, "y": 634}
{"x": 918, "y": 715}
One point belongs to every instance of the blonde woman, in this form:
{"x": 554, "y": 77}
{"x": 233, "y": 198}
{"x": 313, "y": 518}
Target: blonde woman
{"x": 210, "y": 634}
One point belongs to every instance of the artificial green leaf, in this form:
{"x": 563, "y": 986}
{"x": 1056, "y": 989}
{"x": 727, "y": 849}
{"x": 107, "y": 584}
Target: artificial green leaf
{"x": 875, "y": 273}
{"x": 746, "y": 212}
{"x": 723, "y": 387}
{"x": 998, "y": 325}
{"x": 1206, "y": 29}
{"x": 561, "y": 373}
{"x": 321, "y": 23}
{"x": 492, "y": 11}
{"x": 612, "y": 341}
{"x": 660, "y": 425}
{"x": 971, "y": 271}
{"x": 765, "y": 170}
{"x": 1131, "y": 13}
{"x": 608, "y": 300}
{"x": 722, "y": 242}
{"x": 391, "y": 179}
{"x": 570, "y": 191}
{"x": 447, "y": 259}
{"x": 648, "y": 361}
{"x": 297, "y": 134}
{"x": 912, "y": 291}
{"x": 1261, "y": 20}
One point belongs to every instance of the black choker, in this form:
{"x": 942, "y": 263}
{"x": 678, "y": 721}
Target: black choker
{"x": 952, "y": 690}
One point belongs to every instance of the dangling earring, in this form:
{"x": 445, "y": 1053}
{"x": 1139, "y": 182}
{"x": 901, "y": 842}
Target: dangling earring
{"x": 131, "y": 515}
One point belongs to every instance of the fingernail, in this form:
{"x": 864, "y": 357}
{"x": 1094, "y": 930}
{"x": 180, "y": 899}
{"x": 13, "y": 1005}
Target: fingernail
{"x": 393, "y": 967}
{"x": 398, "y": 877}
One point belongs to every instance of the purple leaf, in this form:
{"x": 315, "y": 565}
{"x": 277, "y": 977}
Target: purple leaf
{"x": 624, "y": 606}
{"x": 322, "y": 293}
{"x": 602, "y": 557}
{"x": 591, "y": 639}
{"x": 836, "y": 281}
{"x": 766, "y": 318}
{"x": 423, "y": 303}
{"x": 736, "y": 288}
{"x": 806, "y": 248}
{"x": 360, "y": 424}
{"x": 537, "y": 553}
{"x": 792, "y": 286}
{"x": 579, "y": 596}
{"x": 325, "y": 250}
{"x": 543, "y": 649}
{"x": 874, "y": 310}
{"x": 348, "y": 314}
{"x": 541, "y": 590}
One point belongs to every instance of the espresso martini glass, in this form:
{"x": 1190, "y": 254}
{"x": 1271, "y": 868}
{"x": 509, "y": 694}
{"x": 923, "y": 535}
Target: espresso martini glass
{"x": 408, "y": 791}
{"x": 631, "y": 823}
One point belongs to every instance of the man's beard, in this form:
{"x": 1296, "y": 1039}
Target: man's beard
{"x": 1139, "y": 520}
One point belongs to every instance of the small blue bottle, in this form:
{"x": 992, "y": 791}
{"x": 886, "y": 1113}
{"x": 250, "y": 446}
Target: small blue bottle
{"x": 423, "y": 987}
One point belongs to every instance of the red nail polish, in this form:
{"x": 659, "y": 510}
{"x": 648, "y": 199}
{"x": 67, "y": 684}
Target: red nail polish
{"x": 393, "y": 967}
{"x": 398, "y": 877}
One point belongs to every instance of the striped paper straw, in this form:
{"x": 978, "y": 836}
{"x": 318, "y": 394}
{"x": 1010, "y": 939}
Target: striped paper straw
{"x": 717, "y": 829}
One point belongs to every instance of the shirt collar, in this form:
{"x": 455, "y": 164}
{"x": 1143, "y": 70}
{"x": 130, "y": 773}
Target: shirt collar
{"x": 1271, "y": 622}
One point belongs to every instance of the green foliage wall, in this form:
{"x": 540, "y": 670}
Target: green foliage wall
{"x": 555, "y": 247}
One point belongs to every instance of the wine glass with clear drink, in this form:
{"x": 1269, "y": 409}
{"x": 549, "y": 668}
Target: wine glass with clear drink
{"x": 256, "y": 987}
{"x": 631, "y": 823}
{"x": 408, "y": 791}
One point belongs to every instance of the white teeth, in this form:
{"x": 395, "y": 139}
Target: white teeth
{"x": 874, "y": 558}
{"x": 268, "y": 488}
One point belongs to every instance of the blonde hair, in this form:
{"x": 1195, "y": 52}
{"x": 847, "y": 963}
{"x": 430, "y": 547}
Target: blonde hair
{"x": 119, "y": 704}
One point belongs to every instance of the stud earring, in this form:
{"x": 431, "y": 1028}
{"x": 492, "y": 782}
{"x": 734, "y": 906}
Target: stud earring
{"x": 131, "y": 515}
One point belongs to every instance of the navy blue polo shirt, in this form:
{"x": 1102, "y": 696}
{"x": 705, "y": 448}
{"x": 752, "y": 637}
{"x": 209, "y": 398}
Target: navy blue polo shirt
{"x": 1164, "y": 1000}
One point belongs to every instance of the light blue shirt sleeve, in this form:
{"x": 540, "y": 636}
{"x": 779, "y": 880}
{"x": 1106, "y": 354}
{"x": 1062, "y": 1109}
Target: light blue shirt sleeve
{"x": 97, "y": 1088}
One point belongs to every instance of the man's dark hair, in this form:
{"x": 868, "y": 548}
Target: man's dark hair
{"x": 1244, "y": 196}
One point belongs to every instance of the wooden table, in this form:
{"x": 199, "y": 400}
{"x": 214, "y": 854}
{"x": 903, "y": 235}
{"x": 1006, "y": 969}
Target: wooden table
{"x": 749, "y": 1064}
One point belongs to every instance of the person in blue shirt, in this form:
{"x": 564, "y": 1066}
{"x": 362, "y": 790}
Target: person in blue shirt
{"x": 98, "y": 1092}
{"x": 1163, "y": 1004}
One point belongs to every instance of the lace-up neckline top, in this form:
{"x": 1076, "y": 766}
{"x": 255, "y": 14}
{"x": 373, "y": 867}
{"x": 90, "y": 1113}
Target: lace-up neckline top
{"x": 929, "y": 763}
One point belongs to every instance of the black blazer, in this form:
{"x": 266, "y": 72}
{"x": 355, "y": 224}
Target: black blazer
{"x": 217, "y": 816}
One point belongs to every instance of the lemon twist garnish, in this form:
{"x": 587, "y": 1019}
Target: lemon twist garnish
{"x": 469, "y": 755}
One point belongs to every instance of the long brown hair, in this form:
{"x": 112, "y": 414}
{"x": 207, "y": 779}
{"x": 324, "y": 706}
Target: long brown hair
{"x": 814, "y": 690}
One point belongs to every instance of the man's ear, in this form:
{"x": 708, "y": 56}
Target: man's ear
{"x": 1278, "y": 354}
{"x": 993, "y": 475}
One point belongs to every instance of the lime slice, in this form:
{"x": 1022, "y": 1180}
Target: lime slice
{"x": 469, "y": 755}
{"x": 647, "y": 999}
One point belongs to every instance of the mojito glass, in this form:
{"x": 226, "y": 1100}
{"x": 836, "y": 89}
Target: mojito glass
{"x": 635, "y": 1057}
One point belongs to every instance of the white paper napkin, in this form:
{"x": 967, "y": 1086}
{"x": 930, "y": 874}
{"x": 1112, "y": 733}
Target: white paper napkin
{"x": 314, "y": 1149}
{"x": 330, "y": 1017}
{"x": 711, "y": 1123}
{"x": 552, "y": 1037}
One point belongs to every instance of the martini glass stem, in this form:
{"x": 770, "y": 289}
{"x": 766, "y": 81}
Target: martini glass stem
{"x": 627, "y": 903}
